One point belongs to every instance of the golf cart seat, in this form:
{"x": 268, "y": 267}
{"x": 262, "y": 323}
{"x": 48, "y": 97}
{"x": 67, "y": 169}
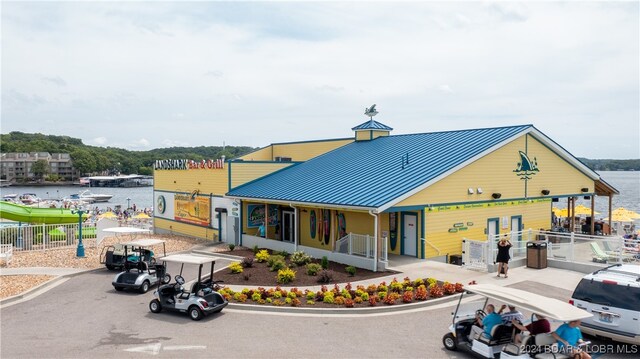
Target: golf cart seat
{"x": 547, "y": 347}
{"x": 189, "y": 287}
{"x": 500, "y": 334}
{"x": 522, "y": 348}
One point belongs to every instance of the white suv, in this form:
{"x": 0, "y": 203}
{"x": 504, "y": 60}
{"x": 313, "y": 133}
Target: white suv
{"x": 612, "y": 294}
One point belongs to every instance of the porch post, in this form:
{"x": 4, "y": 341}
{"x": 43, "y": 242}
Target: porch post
{"x": 609, "y": 214}
{"x": 266, "y": 221}
{"x": 295, "y": 229}
{"x": 593, "y": 219}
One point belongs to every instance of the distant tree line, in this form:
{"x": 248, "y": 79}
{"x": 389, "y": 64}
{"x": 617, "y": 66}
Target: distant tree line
{"x": 93, "y": 159}
{"x": 612, "y": 165}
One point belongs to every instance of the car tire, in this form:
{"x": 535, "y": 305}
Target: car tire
{"x": 195, "y": 313}
{"x": 166, "y": 279}
{"x": 449, "y": 342}
{"x": 144, "y": 287}
{"x": 119, "y": 289}
{"x": 155, "y": 306}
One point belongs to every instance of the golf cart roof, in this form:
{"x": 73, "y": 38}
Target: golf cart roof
{"x": 146, "y": 242}
{"x": 548, "y": 307}
{"x": 188, "y": 258}
{"x": 126, "y": 230}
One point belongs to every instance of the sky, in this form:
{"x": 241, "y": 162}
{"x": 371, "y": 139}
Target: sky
{"x": 142, "y": 75}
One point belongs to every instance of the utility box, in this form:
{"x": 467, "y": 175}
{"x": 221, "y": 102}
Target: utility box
{"x": 455, "y": 259}
{"x": 537, "y": 254}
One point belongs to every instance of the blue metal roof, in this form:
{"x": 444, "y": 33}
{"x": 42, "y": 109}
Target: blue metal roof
{"x": 370, "y": 173}
{"x": 372, "y": 125}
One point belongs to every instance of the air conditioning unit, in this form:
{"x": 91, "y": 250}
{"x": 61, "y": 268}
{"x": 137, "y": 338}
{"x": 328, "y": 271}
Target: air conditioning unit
{"x": 283, "y": 159}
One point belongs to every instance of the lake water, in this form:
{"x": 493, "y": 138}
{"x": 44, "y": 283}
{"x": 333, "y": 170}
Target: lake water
{"x": 142, "y": 197}
{"x": 628, "y": 183}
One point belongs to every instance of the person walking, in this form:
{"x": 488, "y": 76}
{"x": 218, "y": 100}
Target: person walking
{"x": 503, "y": 256}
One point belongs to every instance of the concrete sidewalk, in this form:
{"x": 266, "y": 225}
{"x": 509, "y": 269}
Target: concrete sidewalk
{"x": 42, "y": 271}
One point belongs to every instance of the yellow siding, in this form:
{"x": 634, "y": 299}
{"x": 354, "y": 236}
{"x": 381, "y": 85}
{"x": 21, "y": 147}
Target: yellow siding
{"x": 363, "y": 135}
{"x": 377, "y": 134}
{"x": 206, "y": 180}
{"x": 494, "y": 173}
{"x": 263, "y": 154}
{"x": 556, "y": 175}
{"x": 185, "y": 229}
{"x": 243, "y": 172}
{"x": 304, "y": 151}
{"x": 535, "y": 214}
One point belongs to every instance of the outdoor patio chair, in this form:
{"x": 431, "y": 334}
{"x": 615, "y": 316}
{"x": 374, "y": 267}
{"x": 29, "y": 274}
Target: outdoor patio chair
{"x": 599, "y": 255}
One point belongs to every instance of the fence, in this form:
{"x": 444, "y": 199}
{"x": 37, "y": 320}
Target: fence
{"x": 46, "y": 236}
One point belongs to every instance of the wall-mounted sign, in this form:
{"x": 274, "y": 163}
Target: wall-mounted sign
{"x": 457, "y": 225}
{"x": 188, "y": 164}
{"x": 453, "y": 230}
{"x": 161, "y": 203}
{"x": 469, "y": 224}
{"x": 255, "y": 215}
{"x": 192, "y": 208}
{"x": 486, "y": 205}
{"x": 526, "y": 168}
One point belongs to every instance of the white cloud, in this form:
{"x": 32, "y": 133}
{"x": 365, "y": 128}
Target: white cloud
{"x": 174, "y": 143}
{"x": 205, "y": 72}
{"x": 99, "y": 141}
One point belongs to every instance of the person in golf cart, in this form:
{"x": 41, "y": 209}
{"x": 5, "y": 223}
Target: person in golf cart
{"x": 569, "y": 340}
{"x": 486, "y": 324}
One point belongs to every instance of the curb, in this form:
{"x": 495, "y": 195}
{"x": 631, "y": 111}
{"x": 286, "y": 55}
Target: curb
{"x": 342, "y": 311}
{"x": 43, "y": 286}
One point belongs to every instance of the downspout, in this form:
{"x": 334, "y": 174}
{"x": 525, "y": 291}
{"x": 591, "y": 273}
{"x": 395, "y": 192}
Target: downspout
{"x": 295, "y": 228}
{"x": 375, "y": 236}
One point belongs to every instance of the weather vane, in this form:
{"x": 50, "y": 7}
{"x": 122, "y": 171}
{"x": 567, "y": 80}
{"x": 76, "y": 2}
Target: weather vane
{"x": 371, "y": 111}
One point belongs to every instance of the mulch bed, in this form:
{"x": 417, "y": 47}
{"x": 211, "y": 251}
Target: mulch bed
{"x": 259, "y": 274}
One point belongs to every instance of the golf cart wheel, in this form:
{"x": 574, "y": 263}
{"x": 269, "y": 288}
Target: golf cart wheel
{"x": 195, "y": 313}
{"x": 119, "y": 289}
{"x": 166, "y": 279}
{"x": 144, "y": 287}
{"x": 155, "y": 306}
{"x": 110, "y": 267}
{"x": 449, "y": 342}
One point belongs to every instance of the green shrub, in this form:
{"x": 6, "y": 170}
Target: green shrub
{"x": 365, "y": 296}
{"x": 300, "y": 258}
{"x": 232, "y": 247}
{"x": 351, "y": 270}
{"x": 283, "y": 253}
{"x": 310, "y": 295}
{"x": 313, "y": 268}
{"x": 277, "y": 265}
{"x": 274, "y": 258}
{"x": 262, "y": 256}
{"x": 236, "y": 267}
{"x": 325, "y": 262}
{"x": 256, "y": 296}
{"x": 329, "y": 298}
{"x": 255, "y": 249}
{"x": 286, "y": 275}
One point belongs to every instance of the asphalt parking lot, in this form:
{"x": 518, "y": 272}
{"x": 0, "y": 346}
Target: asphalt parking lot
{"x": 86, "y": 317}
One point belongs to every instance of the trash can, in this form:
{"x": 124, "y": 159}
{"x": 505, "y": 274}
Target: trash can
{"x": 537, "y": 254}
{"x": 455, "y": 259}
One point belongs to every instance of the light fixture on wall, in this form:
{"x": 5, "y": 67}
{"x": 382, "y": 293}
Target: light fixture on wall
{"x": 470, "y": 190}
{"x": 479, "y": 190}
{"x": 496, "y": 195}
{"x": 584, "y": 189}
{"x": 545, "y": 192}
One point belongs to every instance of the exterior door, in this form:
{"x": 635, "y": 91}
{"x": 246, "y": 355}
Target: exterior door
{"x": 410, "y": 235}
{"x": 223, "y": 227}
{"x": 493, "y": 228}
{"x": 516, "y": 235}
{"x": 288, "y": 226}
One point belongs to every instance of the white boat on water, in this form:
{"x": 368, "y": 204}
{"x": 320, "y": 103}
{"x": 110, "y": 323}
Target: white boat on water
{"x": 96, "y": 197}
{"x": 29, "y": 198}
{"x": 4, "y": 183}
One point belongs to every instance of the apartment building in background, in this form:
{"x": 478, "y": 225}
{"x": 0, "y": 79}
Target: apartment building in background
{"x": 16, "y": 167}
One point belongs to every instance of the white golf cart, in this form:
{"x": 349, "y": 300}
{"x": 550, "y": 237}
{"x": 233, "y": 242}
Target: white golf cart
{"x": 502, "y": 344}
{"x": 198, "y": 297}
{"x": 140, "y": 268}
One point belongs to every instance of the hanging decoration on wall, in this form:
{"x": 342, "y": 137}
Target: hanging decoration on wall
{"x": 320, "y": 227}
{"x": 526, "y": 168}
{"x": 342, "y": 225}
{"x": 312, "y": 223}
{"x": 326, "y": 215}
{"x": 393, "y": 230}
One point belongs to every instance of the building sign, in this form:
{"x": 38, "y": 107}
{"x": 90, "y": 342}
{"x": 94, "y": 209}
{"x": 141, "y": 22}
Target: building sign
{"x": 161, "y": 204}
{"x": 188, "y": 164}
{"x": 526, "y": 168}
{"x": 192, "y": 208}
{"x": 485, "y": 205}
{"x": 255, "y": 215}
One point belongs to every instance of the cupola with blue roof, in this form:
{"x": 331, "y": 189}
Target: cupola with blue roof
{"x": 371, "y": 129}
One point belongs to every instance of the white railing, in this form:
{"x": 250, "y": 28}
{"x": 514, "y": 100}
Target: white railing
{"x": 356, "y": 245}
{"x": 475, "y": 254}
{"x": 46, "y": 236}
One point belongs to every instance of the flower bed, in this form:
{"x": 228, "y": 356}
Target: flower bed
{"x": 395, "y": 292}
